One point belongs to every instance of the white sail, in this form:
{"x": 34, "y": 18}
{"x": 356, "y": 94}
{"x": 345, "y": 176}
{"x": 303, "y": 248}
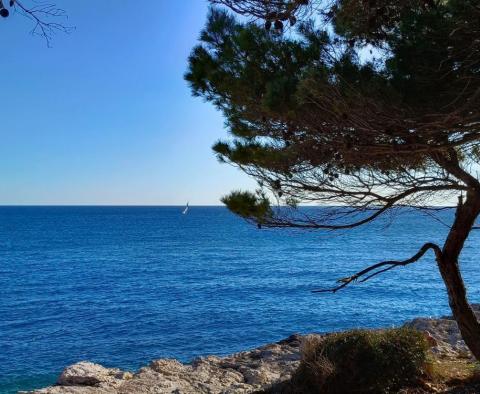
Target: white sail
{"x": 186, "y": 209}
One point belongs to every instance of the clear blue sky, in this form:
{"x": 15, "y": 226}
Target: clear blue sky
{"x": 104, "y": 116}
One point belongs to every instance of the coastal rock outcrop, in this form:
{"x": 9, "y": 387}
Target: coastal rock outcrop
{"x": 90, "y": 374}
{"x": 244, "y": 372}
{"x": 449, "y": 342}
{"x": 86, "y": 377}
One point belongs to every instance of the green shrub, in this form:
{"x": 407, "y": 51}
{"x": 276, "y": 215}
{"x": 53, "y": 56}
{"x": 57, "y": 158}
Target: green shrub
{"x": 360, "y": 362}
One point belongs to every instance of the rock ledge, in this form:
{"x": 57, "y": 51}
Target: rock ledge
{"x": 244, "y": 372}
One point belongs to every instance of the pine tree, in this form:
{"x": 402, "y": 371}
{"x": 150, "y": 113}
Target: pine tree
{"x": 366, "y": 105}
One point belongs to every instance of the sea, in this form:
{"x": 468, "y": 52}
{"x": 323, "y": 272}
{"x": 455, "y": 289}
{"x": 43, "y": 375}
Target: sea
{"x": 121, "y": 286}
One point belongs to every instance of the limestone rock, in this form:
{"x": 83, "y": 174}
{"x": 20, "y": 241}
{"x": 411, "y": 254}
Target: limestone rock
{"x": 88, "y": 378}
{"x": 240, "y": 373}
{"x": 447, "y": 340}
{"x": 88, "y": 374}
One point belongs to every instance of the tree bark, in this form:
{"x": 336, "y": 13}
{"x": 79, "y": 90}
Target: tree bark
{"x": 467, "y": 322}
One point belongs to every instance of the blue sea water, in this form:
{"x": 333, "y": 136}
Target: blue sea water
{"x": 124, "y": 285}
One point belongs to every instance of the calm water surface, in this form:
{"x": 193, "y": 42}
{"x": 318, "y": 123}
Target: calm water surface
{"x": 124, "y": 285}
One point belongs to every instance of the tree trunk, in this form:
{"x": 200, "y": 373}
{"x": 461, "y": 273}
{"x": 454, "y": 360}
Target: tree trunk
{"x": 448, "y": 264}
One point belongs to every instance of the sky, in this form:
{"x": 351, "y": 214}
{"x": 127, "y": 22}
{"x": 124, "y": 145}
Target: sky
{"x": 104, "y": 115}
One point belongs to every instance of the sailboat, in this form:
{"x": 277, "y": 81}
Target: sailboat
{"x": 185, "y": 210}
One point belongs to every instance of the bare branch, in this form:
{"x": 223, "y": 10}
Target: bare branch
{"x": 382, "y": 267}
{"x": 389, "y": 202}
{"x": 270, "y": 9}
{"x": 42, "y": 14}
{"x": 452, "y": 165}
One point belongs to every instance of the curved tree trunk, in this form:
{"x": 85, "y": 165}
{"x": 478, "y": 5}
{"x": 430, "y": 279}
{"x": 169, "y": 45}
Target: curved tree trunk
{"x": 448, "y": 264}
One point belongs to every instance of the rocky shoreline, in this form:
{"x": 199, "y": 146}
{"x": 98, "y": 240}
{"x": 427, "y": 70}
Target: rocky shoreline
{"x": 244, "y": 372}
